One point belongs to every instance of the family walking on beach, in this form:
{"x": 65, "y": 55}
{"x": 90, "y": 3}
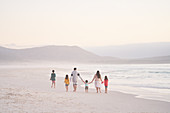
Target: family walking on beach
{"x": 74, "y": 78}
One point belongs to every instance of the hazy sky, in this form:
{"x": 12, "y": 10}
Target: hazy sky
{"x": 84, "y": 22}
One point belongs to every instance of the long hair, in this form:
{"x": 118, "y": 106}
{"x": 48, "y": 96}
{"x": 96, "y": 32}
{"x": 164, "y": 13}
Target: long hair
{"x": 66, "y": 77}
{"x": 98, "y": 74}
{"x": 105, "y": 78}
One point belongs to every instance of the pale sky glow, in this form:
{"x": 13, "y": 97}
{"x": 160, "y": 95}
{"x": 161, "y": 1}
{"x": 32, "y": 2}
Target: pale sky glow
{"x": 84, "y": 22}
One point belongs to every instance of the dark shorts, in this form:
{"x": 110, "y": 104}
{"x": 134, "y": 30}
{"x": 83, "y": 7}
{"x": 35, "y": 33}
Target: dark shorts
{"x": 66, "y": 84}
{"x": 106, "y": 86}
{"x": 86, "y": 87}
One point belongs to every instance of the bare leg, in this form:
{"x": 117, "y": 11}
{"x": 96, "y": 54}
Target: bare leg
{"x": 86, "y": 90}
{"x": 75, "y": 87}
{"x": 99, "y": 90}
{"x": 66, "y": 88}
{"x": 54, "y": 84}
{"x": 105, "y": 90}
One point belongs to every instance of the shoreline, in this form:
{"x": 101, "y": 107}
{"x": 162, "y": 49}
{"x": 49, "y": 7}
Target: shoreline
{"x": 126, "y": 93}
{"x": 34, "y": 94}
{"x": 140, "y": 96}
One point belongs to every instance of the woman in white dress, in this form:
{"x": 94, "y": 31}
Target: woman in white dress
{"x": 98, "y": 80}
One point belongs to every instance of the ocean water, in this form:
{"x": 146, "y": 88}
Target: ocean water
{"x": 149, "y": 81}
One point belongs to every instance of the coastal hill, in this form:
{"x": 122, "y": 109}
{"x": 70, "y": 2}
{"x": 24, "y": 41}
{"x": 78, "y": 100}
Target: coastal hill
{"x": 67, "y": 54}
{"x": 48, "y": 53}
{"x": 133, "y": 51}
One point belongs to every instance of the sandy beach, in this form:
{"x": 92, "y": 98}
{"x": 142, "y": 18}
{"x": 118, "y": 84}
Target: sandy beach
{"x": 123, "y": 44}
{"x": 32, "y": 94}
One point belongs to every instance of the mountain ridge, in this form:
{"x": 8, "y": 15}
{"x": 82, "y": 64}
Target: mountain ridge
{"x": 133, "y": 51}
{"x": 54, "y": 53}
{"x": 47, "y": 53}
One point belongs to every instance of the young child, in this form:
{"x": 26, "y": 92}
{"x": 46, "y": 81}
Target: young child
{"x": 86, "y": 85}
{"x": 53, "y": 75}
{"x": 106, "y": 83}
{"x": 67, "y": 82}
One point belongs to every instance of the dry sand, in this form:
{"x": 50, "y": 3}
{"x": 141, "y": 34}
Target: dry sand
{"x": 32, "y": 94}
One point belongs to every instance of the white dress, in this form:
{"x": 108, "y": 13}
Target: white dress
{"x": 97, "y": 82}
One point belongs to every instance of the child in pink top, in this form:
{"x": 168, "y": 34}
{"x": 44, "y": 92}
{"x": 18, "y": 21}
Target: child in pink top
{"x": 106, "y": 83}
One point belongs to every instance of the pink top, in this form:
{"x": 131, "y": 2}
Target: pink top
{"x": 105, "y": 82}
